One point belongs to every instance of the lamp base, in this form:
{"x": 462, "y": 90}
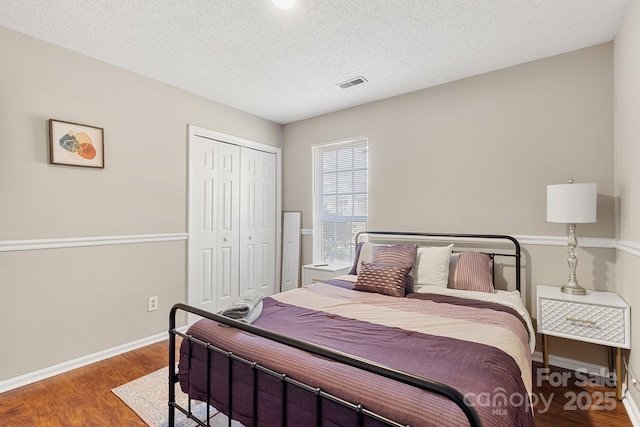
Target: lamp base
{"x": 573, "y": 289}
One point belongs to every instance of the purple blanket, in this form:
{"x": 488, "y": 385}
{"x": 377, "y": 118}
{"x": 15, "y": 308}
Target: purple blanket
{"x": 481, "y": 372}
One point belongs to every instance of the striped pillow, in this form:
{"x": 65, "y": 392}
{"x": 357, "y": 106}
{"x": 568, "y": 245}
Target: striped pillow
{"x": 471, "y": 271}
{"x": 398, "y": 256}
{"x": 403, "y": 255}
{"x": 383, "y": 279}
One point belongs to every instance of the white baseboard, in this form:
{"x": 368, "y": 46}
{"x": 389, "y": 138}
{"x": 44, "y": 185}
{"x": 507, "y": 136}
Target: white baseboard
{"x": 70, "y": 365}
{"x": 632, "y": 410}
{"x": 573, "y": 365}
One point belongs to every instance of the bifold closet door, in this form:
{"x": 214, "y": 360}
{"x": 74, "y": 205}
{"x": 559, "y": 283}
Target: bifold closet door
{"x": 214, "y": 172}
{"x": 232, "y": 222}
{"x": 203, "y": 222}
{"x": 228, "y": 207}
{"x": 257, "y": 221}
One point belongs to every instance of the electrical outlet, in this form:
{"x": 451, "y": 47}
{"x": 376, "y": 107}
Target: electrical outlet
{"x": 152, "y": 303}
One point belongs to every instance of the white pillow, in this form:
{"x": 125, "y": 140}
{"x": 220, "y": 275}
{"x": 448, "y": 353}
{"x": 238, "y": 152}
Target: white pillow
{"x": 432, "y": 266}
{"x": 366, "y": 255}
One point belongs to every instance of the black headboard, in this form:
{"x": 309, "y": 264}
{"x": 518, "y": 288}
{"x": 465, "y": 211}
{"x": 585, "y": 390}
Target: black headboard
{"x": 477, "y": 240}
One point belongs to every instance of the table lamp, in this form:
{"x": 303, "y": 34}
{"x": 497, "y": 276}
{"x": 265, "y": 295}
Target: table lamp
{"x": 572, "y": 204}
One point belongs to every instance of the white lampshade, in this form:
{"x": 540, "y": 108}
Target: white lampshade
{"x": 572, "y": 203}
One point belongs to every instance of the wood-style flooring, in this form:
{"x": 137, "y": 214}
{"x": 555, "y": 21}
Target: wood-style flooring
{"x": 591, "y": 403}
{"x": 83, "y": 397}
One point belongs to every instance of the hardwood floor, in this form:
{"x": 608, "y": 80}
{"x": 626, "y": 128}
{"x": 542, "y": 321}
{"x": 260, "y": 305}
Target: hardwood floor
{"x": 83, "y": 397}
{"x": 589, "y": 403}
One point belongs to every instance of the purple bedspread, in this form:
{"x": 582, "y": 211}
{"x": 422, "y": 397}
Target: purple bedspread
{"x": 477, "y": 370}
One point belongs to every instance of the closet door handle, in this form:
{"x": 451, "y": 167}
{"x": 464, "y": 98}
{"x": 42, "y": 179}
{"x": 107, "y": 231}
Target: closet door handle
{"x": 224, "y": 239}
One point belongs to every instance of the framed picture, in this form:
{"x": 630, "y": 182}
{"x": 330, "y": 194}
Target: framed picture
{"x": 75, "y": 144}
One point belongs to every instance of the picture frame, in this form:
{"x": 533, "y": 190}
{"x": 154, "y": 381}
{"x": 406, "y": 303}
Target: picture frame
{"x": 76, "y": 144}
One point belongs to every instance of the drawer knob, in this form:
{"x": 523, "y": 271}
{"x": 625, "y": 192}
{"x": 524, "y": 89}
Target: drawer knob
{"x": 573, "y": 319}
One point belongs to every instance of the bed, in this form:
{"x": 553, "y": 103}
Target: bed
{"x": 389, "y": 344}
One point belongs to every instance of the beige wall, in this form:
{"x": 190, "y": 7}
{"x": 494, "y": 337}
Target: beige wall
{"x": 60, "y": 304}
{"x": 483, "y": 149}
{"x": 476, "y": 155}
{"x": 627, "y": 146}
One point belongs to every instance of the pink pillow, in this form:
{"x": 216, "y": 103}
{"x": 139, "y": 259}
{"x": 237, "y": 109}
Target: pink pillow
{"x": 400, "y": 255}
{"x": 471, "y": 271}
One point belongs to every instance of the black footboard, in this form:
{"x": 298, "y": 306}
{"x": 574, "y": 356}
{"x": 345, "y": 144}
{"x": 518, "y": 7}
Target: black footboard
{"x": 322, "y": 397}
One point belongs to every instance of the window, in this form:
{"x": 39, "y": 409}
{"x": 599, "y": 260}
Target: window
{"x": 340, "y": 196}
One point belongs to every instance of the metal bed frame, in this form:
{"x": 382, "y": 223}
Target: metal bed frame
{"x": 423, "y": 383}
{"x": 461, "y": 237}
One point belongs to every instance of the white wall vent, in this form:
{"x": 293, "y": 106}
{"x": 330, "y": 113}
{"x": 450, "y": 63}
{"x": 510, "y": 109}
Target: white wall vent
{"x": 352, "y": 82}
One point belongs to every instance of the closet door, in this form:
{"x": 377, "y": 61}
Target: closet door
{"x": 228, "y": 235}
{"x": 267, "y": 222}
{"x": 233, "y": 219}
{"x": 214, "y": 176}
{"x": 258, "y": 225}
{"x": 203, "y": 222}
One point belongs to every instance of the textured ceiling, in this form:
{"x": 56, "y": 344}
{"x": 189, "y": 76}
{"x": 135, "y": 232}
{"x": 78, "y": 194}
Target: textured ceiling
{"x": 284, "y": 65}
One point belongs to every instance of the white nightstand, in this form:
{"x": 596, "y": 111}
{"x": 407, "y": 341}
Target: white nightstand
{"x": 598, "y": 317}
{"x": 319, "y": 273}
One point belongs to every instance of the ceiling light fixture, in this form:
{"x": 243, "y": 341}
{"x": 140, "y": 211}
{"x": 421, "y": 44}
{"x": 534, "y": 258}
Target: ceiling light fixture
{"x": 284, "y": 4}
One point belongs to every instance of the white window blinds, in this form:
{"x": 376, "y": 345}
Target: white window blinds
{"x": 340, "y": 199}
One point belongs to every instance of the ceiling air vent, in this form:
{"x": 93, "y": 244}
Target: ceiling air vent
{"x": 352, "y": 82}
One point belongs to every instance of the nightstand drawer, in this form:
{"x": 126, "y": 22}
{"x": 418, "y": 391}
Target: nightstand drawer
{"x": 592, "y": 322}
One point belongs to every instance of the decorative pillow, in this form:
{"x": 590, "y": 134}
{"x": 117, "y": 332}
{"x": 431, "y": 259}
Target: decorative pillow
{"x": 364, "y": 255}
{"x": 399, "y": 256}
{"x": 383, "y": 279}
{"x": 432, "y": 266}
{"x": 471, "y": 271}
